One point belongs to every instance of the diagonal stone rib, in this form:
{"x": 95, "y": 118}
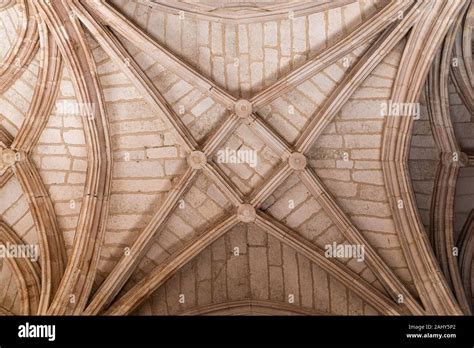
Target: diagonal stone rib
{"x": 335, "y": 268}
{"x": 120, "y": 24}
{"x": 144, "y": 288}
{"x": 358, "y": 73}
{"x": 363, "y": 34}
{"x": 6, "y": 139}
{"x": 268, "y": 11}
{"x": 5, "y": 177}
{"x": 117, "y": 52}
{"x": 75, "y": 286}
{"x": 386, "y": 276}
{"x": 261, "y": 193}
{"x": 5, "y": 312}
{"x": 270, "y": 136}
{"x": 5, "y": 5}
{"x": 127, "y": 264}
{"x": 228, "y": 104}
{"x": 256, "y": 124}
{"x": 44, "y": 95}
{"x": 467, "y": 38}
{"x": 214, "y": 173}
{"x": 442, "y": 226}
{"x": 255, "y": 307}
{"x": 25, "y": 272}
{"x": 24, "y": 49}
{"x": 339, "y": 97}
{"x": 221, "y": 134}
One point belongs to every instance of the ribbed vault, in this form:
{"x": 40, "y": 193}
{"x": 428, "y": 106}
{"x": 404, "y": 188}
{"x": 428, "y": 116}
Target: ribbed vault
{"x": 119, "y": 126}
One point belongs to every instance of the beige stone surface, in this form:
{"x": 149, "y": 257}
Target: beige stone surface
{"x": 256, "y": 275}
{"x": 226, "y": 189}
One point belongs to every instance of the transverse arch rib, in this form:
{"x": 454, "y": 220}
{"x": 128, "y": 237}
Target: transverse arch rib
{"x": 341, "y": 272}
{"x": 75, "y": 287}
{"x": 81, "y": 269}
{"x": 425, "y": 37}
{"x": 25, "y": 271}
{"x": 144, "y": 288}
{"x": 24, "y": 49}
{"x": 53, "y": 251}
{"x": 442, "y": 205}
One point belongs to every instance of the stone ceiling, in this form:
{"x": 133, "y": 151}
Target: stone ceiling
{"x": 222, "y": 157}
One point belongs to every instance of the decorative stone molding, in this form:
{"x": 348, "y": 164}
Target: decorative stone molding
{"x": 426, "y": 36}
{"x": 249, "y": 307}
{"x": 246, "y": 213}
{"x": 8, "y": 157}
{"x": 466, "y": 256}
{"x": 297, "y": 161}
{"x": 26, "y": 273}
{"x": 127, "y": 303}
{"x": 243, "y": 108}
{"x": 452, "y": 158}
{"x": 64, "y": 36}
{"x": 23, "y": 50}
{"x": 245, "y": 12}
{"x": 70, "y": 38}
{"x": 456, "y": 158}
{"x": 315, "y": 254}
{"x": 52, "y": 248}
{"x": 131, "y": 299}
{"x": 5, "y": 142}
{"x": 5, "y": 4}
{"x": 197, "y": 160}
